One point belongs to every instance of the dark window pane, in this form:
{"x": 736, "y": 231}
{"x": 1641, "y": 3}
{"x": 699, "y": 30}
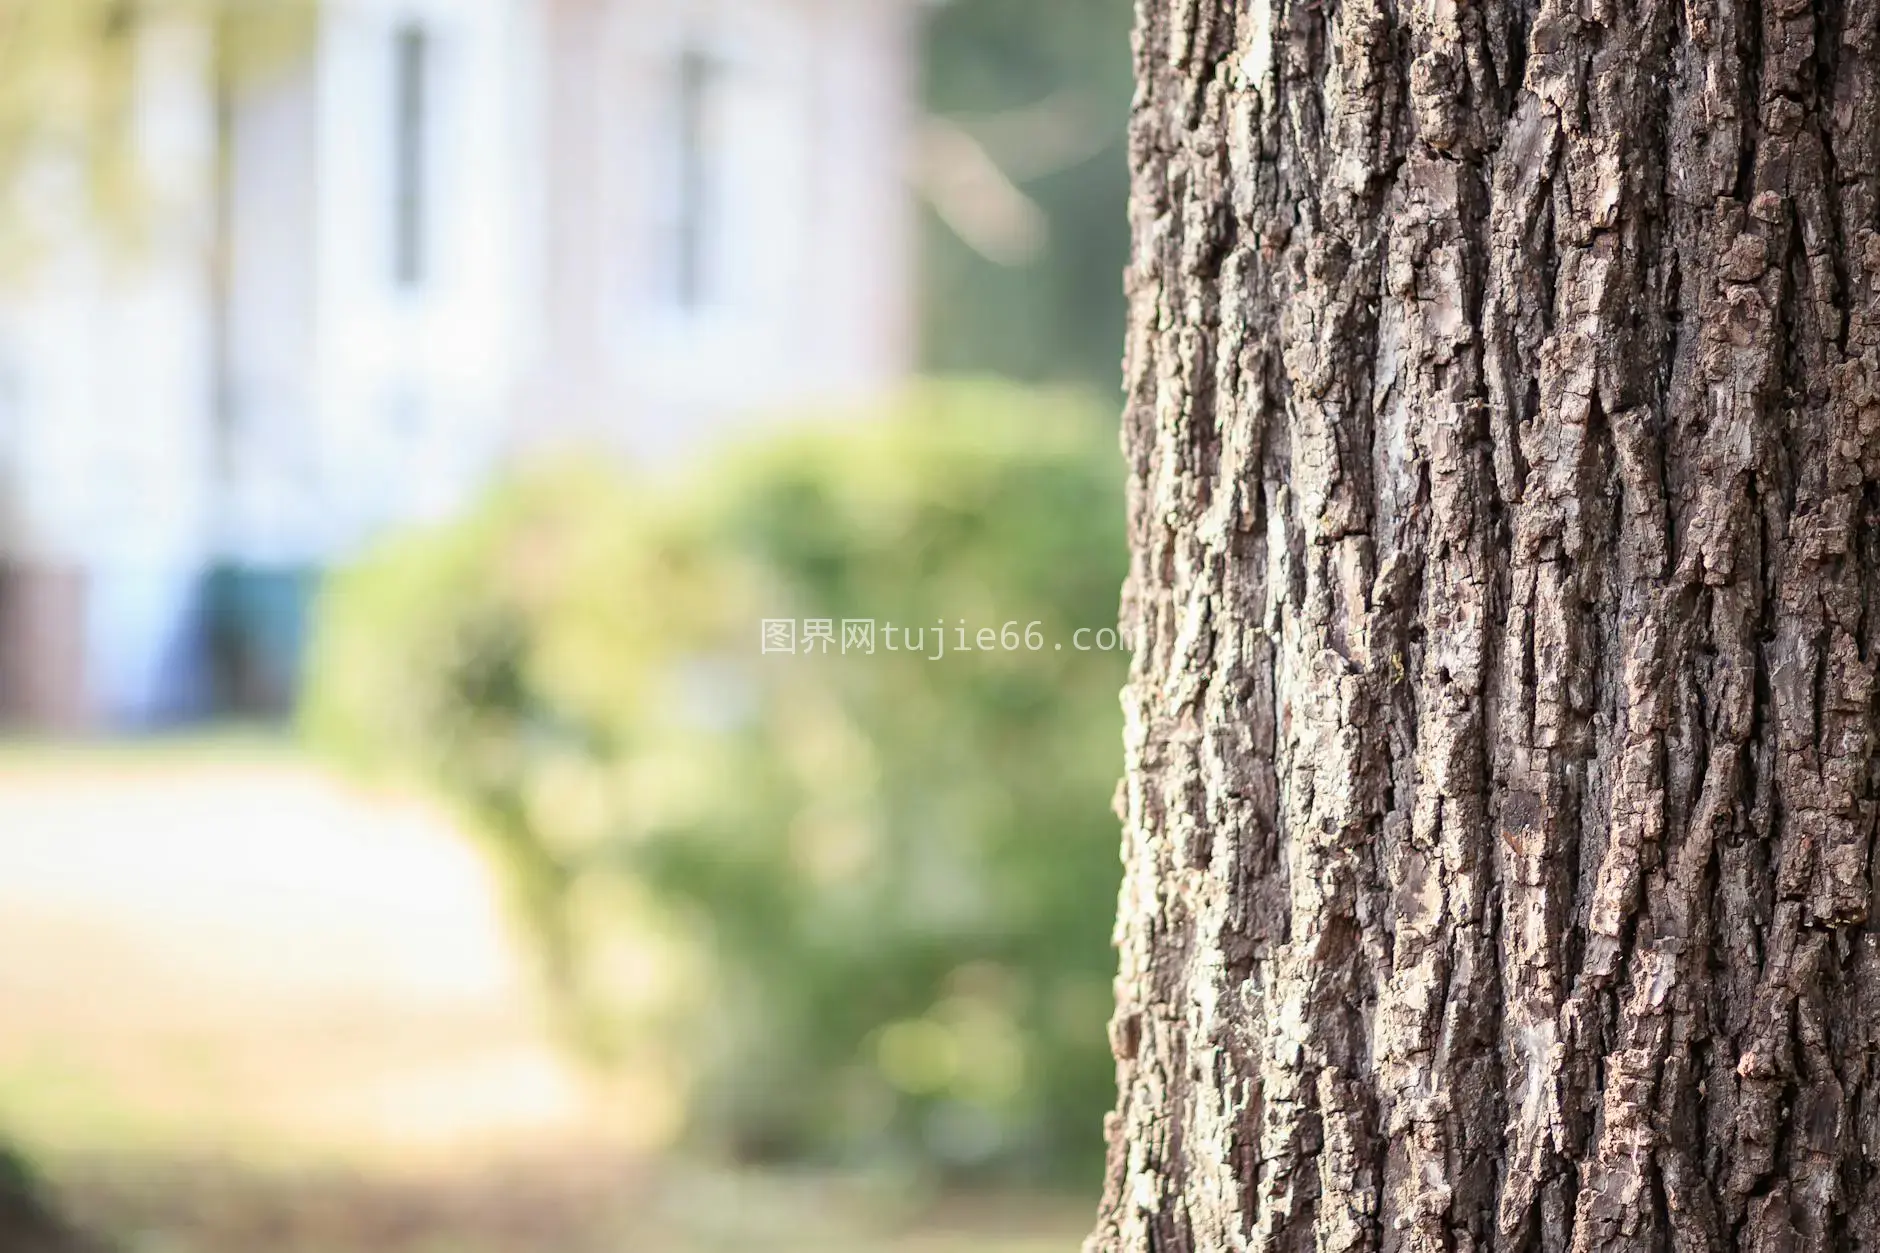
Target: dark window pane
{"x": 696, "y": 80}
{"x": 411, "y": 52}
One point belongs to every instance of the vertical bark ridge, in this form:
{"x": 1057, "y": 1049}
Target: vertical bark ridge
{"x": 1196, "y": 604}
{"x": 1438, "y": 1066}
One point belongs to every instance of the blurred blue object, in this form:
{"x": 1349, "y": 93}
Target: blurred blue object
{"x": 257, "y": 636}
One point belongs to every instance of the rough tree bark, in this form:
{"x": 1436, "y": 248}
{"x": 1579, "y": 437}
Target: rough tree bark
{"x": 1504, "y": 424}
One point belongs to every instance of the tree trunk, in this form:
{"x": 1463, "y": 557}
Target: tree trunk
{"x": 1504, "y": 428}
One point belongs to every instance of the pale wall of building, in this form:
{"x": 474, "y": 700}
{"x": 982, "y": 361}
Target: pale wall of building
{"x": 798, "y": 225}
{"x": 639, "y": 223}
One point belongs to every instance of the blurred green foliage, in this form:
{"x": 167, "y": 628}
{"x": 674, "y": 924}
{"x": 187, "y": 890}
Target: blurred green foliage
{"x": 861, "y": 902}
{"x": 1045, "y": 87}
{"x": 70, "y": 71}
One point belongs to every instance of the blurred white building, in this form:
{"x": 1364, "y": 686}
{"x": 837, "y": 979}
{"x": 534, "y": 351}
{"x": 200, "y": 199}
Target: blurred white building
{"x": 451, "y": 231}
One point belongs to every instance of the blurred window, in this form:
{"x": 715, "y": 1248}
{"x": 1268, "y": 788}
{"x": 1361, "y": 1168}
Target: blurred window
{"x": 411, "y": 54}
{"x": 700, "y": 77}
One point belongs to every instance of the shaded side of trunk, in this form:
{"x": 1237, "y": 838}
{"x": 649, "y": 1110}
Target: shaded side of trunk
{"x": 1504, "y": 424}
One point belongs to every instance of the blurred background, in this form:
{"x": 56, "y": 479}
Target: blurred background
{"x": 409, "y": 412}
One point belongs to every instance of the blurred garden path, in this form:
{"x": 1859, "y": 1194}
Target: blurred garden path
{"x": 223, "y": 943}
{"x": 248, "y": 1008}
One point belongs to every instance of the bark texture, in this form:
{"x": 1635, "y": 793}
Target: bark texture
{"x": 1504, "y": 424}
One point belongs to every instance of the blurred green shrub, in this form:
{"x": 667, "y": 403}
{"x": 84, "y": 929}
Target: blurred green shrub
{"x": 858, "y": 905}
{"x": 1044, "y": 87}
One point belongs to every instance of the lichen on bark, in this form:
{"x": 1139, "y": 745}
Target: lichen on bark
{"x": 1503, "y": 420}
